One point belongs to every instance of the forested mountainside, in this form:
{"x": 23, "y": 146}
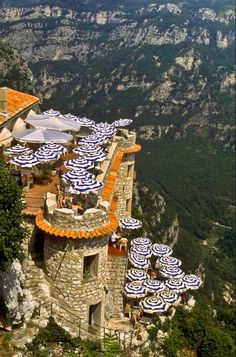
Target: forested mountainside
{"x": 170, "y": 67}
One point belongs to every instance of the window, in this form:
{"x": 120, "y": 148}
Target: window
{"x": 90, "y": 267}
{"x": 130, "y": 170}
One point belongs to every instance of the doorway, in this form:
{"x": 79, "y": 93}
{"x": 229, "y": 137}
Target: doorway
{"x": 95, "y": 315}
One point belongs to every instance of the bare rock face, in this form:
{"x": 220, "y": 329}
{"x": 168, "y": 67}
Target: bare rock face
{"x": 18, "y": 302}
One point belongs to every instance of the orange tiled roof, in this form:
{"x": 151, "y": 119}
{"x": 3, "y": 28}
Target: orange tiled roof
{"x": 16, "y": 103}
{"x": 107, "y": 196}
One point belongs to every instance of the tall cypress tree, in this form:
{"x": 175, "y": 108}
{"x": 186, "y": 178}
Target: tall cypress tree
{"x": 12, "y": 230}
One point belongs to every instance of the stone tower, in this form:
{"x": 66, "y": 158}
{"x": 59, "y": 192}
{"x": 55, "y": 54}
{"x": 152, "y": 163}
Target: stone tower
{"x": 85, "y": 272}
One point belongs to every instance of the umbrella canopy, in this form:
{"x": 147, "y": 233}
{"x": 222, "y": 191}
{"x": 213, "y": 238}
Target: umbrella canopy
{"x": 45, "y": 156}
{"x": 51, "y": 112}
{"x": 169, "y": 297}
{"x": 71, "y": 117}
{"x": 172, "y": 272}
{"x": 85, "y": 186}
{"x": 176, "y": 285}
{"x": 77, "y": 175}
{"x": 85, "y": 121}
{"x": 161, "y": 250}
{"x": 53, "y": 147}
{"x": 138, "y": 261}
{"x": 153, "y": 285}
{"x": 136, "y": 275}
{"x": 107, "y": 133}
{"x": 88, "y": 149}
{"x": 130, "y": 223}
{"x": 93, "y": 139}
{"x": 96, "y": 157}
{"x": 192, "y": 281}
{"x": 168, "y": 261}
{"x": 58, "y": 123}
{"x": 122, "y": 122}
{"x": 134, "y": 290}
{"x": 41, "y": 136}
{"x": 142, "y": 241}
{"x": 79, "y": 163}
{"x": 17, "y": 150}
{"x": 141, "y": 249}
{"x": 153, "y": 304}
{"x": 25, "y": 160}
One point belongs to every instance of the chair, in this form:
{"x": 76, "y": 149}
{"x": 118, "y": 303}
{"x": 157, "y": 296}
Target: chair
{"x": 123, "y": 243}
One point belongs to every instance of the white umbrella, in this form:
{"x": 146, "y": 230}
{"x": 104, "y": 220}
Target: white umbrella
{"x": 96, "y": 139}
{"x": 85, "y": 186}
{"x": 176, "y": 285}
{"x": 53, "y": 147}
{"x": 169, "y": 297}
{"x": 77, "y": 175}
{"x": 79, "y": 163}
{"x": 17, "y": 150}
{"x": 161, "y": 250}
{"x": 25, "y": 161}
{"x": 46, "y": 156}
{"x": 153, "y": 285}
{"x": 51, "y": 112}
{"x": 192, "y": 281}
{"x": 136, "y": 275}
{"x": 171, "y": 272}
{"x": 141, "y": 241}
{"x": 134, "y": 290}
{"x": 168, "y": 261}
{"x": 138, "y": 261}
{"x": 130, "y": 223}
{"x": 122, "y": 122}
{"x": 41, "y": 136}
{"x": 88, "y": 149}
{"x": 58, "y": 123}
{"x": 141, "y": 249}
{"x": 153, "y": 304}
{"x": 85, "y": 121}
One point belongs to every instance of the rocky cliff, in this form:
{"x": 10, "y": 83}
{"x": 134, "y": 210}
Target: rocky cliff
{"x": 14, "y": 72}
{"x": 147, "y": 60}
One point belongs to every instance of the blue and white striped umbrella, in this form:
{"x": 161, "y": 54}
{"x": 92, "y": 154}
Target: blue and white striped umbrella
{"x": 25, "y": 160}
{"x": 96, "y": 157}
{"x": 79, "y": 163}
{"x": 85, "y": 186}
{"x": 77, "y": 175}
{"x": 172, "y": 272}
{"x": 134, "y": 290}
{"x": 153, "y": 286}
{"x": 161, "y": 250}
{"x": 169, "y": 297}
{"x": 17, "y": 150}
{"x": 88, "y": 149}
{"x": 71, "y": 116}
{"x": 141, "y": 249}
{"x": 102, "y": 126}
{"x": 53, "y": 147}
{"x": 45, "y": 156}
{"x": 168, "y": 261}
{"x": 51, "y": 112}
{"x": 153, "y": 304}
{"x": 130, "y": 223}
{"x": 108, "y": 133}
{"x": 138, "y": 261}
{"x": 192, "y": 281}
{"x": 93, "y": 139}
{"x": 136, "y": 275}
{"x": 142, "y": 241}
{"x": 122, "y": 122}
{"x": 176, "y": 285}
{"x": 85, "y": 121}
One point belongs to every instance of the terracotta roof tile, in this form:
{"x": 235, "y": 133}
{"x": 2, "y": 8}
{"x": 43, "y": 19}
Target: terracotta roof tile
{"x": 16, "y": 103}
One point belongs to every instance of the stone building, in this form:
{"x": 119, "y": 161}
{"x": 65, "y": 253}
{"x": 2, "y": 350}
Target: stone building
{"x": 86, "y": 273}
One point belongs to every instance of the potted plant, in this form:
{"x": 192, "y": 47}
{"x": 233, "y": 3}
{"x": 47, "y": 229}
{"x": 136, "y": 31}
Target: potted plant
{"x": 45, "y": 171}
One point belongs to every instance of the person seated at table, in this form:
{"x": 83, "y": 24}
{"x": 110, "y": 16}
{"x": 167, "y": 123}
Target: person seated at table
{"x": 114, "y": 237}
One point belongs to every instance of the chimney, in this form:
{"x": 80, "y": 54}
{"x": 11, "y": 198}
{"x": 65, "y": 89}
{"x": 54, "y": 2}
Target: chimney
{"x": 3, "y": 100}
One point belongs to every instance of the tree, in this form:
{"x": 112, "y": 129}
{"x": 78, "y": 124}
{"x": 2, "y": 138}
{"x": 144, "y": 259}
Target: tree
{"x": 12, "y": 230}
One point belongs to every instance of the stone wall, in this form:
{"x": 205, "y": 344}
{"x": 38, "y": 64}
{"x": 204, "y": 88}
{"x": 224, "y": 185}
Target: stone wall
{"x": 124, "y": 186}
{"x": 115, "y": 277}
{"x": 65, "y": 217}
{"x": 63, "y": 264}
